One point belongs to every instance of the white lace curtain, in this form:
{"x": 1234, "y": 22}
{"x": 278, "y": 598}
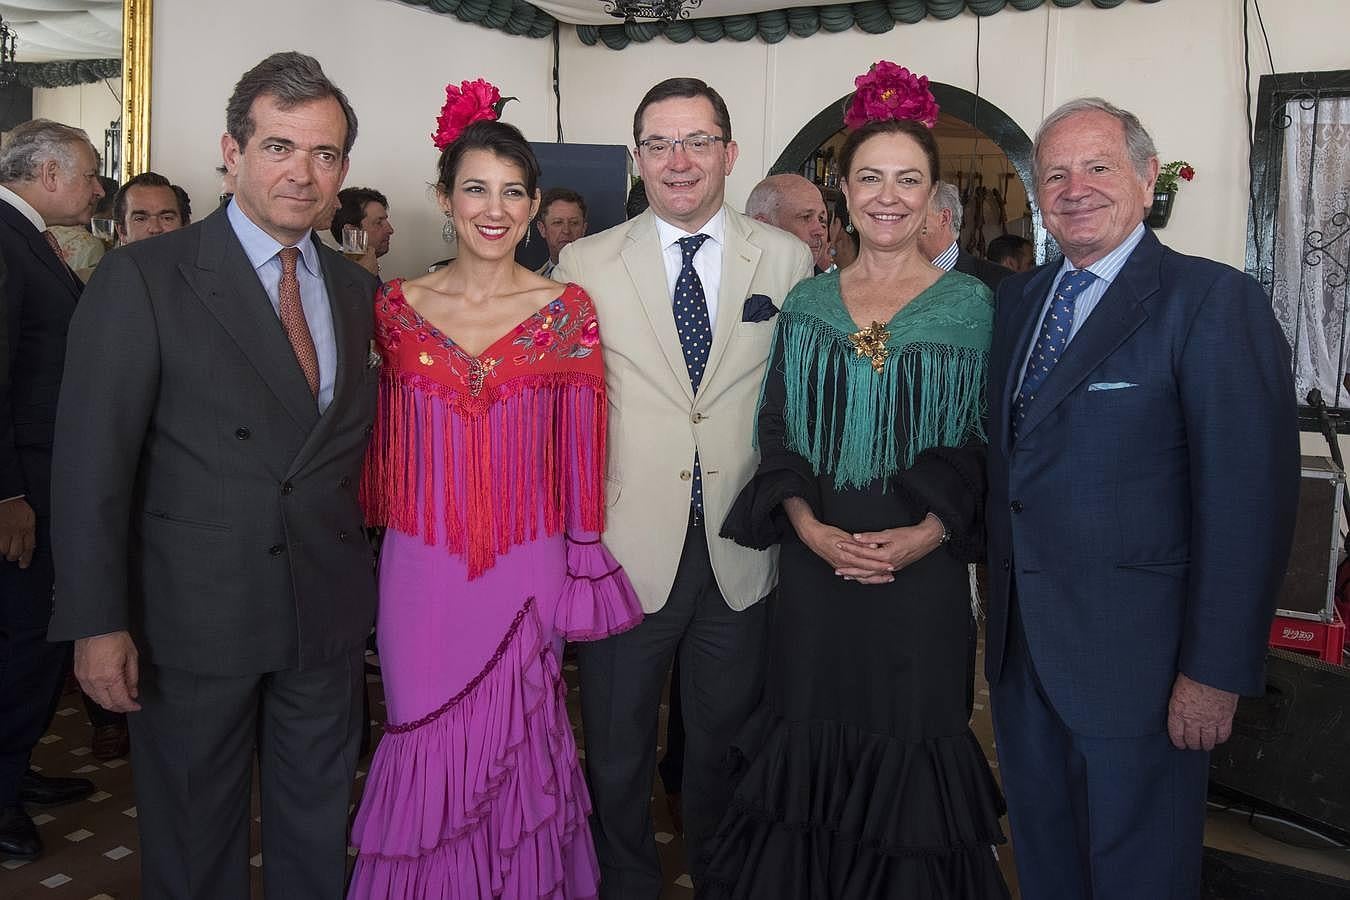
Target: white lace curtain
{"x": 1311, "y": 292}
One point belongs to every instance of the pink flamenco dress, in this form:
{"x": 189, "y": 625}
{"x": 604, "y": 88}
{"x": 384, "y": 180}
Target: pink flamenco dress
{"x": 489, "y": 473}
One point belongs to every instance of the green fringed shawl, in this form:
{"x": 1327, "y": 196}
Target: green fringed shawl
{"x": 930, "y": 392}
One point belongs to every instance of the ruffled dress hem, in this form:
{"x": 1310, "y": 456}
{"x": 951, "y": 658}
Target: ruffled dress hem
{"x": 828, "y": 811}
{"x": 482, "y": 797}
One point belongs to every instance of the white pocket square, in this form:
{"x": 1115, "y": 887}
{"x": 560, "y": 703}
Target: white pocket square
{"x": 1111, "y": 385}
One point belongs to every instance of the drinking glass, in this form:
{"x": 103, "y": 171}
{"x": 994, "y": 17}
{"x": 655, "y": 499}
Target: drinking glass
{"x": 354, "y": 241}
{"x": 103, "y": 229}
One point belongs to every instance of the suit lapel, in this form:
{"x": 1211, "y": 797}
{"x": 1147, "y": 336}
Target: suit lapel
{"x": 37, "y": 242}
{"x": 739, "y": 259}
{"x": 64, "y": 273}
{"x": 642, "y": 257}
{"x": 348, "y": 304}
{"x": 1117, "y": 315}
{"x": 228, "y": 286}
{"x": 1032, "y": 299}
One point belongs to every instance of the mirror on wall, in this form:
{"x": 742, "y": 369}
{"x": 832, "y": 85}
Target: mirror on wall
{"x": 85, "y": 63}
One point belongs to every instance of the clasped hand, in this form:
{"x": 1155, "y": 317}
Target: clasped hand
{"x": 873, "y": 557}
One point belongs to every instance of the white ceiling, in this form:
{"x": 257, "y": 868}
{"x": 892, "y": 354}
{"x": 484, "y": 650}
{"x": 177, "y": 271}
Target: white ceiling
{"x": 65, "y": 29}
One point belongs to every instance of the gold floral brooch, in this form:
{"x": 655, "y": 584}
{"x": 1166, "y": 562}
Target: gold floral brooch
{"x": 871, "y": 342}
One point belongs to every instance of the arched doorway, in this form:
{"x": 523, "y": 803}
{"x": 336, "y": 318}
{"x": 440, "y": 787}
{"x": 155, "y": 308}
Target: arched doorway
{"x": 975, "y": 118}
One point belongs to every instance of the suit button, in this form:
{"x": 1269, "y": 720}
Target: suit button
{"x": 696, "y": 418}
{"x": 686, "y": 475}
{"x": 276, "y": 550}
{"x": 343, "y": 535}
{"x": 1006, "y": 565}
{"x": 370, "y": 429}
{"x": 287, "y": 487}
{"x": 1015, "y": 506}
{"x": 344, "y": 482}
{"x": 242, "y": 433}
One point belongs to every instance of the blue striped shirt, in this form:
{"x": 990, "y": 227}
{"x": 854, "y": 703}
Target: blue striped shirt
{"x": 948, "y": 257}
{"x": 1106, "y": 269}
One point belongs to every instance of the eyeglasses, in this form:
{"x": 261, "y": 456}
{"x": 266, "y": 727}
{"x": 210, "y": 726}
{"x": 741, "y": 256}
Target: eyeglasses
{"x": 658, "y": 148}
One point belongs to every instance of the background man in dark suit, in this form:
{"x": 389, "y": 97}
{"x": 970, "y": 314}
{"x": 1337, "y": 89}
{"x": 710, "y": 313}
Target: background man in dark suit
{"x": 1143, "y": 475}
{"x": 938, "y": 239}
{"x": 48, "y": 176}
{"x": 209, "y": 443}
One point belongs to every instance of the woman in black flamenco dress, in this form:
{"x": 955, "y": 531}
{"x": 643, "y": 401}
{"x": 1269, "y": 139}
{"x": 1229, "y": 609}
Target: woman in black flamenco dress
{"x": 859, "y": 778}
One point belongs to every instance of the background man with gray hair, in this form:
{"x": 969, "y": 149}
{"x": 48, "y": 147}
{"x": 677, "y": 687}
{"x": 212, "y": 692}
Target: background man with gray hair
{"x": 792, "y": 203}
{"x": 938, "y": 239}
{"x": 1143, "y": 476}
{"x": 48, "y": 176}
{"x": 211, "y": 563}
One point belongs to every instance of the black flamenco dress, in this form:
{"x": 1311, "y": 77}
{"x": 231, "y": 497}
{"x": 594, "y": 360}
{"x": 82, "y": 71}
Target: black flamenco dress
{"x": 859, "y": 776}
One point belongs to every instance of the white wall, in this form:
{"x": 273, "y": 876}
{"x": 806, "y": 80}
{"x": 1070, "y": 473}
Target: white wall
{"x": 92, "y": 107}
{"x": 392, "y": 60}
{"x": 1178, "y": 64}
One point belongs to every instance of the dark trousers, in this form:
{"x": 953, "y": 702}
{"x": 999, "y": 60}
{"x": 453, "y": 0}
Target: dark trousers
{"x": 671, "y": 767}
{"x": 193, "y": 742}
{"x": 721, "y": 679}
{"x": 31, "y": 668}
{"x": 1094, "y": 818}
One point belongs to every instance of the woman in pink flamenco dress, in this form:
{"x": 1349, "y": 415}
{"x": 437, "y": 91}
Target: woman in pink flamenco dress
{"x": 487, "y": 467}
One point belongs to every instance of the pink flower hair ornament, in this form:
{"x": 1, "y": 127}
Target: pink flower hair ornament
{"x": 890, "y": 91}
{"x": 471, "y": 101}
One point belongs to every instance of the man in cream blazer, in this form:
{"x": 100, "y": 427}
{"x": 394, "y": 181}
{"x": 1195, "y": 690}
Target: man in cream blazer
{"x": 686, "y": 294}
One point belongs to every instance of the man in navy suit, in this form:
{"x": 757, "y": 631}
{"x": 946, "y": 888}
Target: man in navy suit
{"x": 48, "y": 176}
{"x": 1143, "y": 476}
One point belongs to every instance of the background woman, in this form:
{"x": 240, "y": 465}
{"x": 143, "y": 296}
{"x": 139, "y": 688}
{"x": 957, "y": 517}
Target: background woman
{"x": 487, "y": 467}
{"x": 861, "y": 778}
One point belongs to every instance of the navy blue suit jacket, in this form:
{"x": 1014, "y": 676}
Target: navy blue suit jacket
{"x": 1147, "y": 528}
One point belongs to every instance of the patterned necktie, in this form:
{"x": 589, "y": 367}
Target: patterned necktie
{"x": 695, "y": 330}
{"x": 60, "y": 256}
{"x": 293, "y": 318}
{"x": 1054, "y": 337}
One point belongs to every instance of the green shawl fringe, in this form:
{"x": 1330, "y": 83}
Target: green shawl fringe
{"x": 930, "y": 393}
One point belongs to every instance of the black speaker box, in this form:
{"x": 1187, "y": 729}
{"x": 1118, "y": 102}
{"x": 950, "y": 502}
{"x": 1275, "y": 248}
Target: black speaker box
{"x": 1310, "y": 579}
{"x": 1291, "y": 748}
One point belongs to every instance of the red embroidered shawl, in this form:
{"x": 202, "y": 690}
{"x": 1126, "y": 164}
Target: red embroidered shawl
{"x": 488, "y": 451}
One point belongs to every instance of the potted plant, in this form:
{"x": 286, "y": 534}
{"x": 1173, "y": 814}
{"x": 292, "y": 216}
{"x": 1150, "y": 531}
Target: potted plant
{"x": 1165, "y": 191}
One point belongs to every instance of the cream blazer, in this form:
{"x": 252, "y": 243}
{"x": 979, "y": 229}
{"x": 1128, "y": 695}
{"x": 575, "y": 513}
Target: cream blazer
{"x": 655, "y": 421}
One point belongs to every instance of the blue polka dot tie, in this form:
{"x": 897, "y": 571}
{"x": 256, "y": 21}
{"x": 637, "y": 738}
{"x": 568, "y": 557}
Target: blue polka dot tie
{"x": 695, "y": 330}
{"x": 1050, "y": 344}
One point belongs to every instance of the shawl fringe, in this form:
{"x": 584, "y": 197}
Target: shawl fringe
{"x": 526, "y": 455}
{"x": 933, "y": 391}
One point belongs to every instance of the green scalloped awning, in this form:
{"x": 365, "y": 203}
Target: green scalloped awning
{"x": 872, "y": 16}
{"x": 64, "y": 73}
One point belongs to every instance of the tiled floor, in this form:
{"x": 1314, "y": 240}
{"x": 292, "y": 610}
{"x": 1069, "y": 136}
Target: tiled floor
{"x": 92, "y": 846}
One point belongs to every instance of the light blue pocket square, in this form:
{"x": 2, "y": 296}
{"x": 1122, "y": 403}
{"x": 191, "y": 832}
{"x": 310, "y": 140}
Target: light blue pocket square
{"x": 1111, "y": 385}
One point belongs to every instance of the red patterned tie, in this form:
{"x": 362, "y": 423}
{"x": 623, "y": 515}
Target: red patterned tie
{"x": 293, "y": 318}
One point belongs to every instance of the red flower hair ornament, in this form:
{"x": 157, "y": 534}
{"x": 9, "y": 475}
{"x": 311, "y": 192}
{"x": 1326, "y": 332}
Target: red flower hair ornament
{"x": 472, "y": 101}
{"x": 889, "y": 91}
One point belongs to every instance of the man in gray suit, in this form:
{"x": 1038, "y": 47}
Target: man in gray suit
{"x": 211, "y": 564}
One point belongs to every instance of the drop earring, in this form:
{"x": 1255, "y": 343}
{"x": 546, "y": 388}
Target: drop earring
{"x": 527, "y": 236}
{"x": 448, "y": 229}
{"x": 849, "y": 227}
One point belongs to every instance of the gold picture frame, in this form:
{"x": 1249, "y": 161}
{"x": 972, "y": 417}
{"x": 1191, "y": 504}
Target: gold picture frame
{"x": 136, "y": 46}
